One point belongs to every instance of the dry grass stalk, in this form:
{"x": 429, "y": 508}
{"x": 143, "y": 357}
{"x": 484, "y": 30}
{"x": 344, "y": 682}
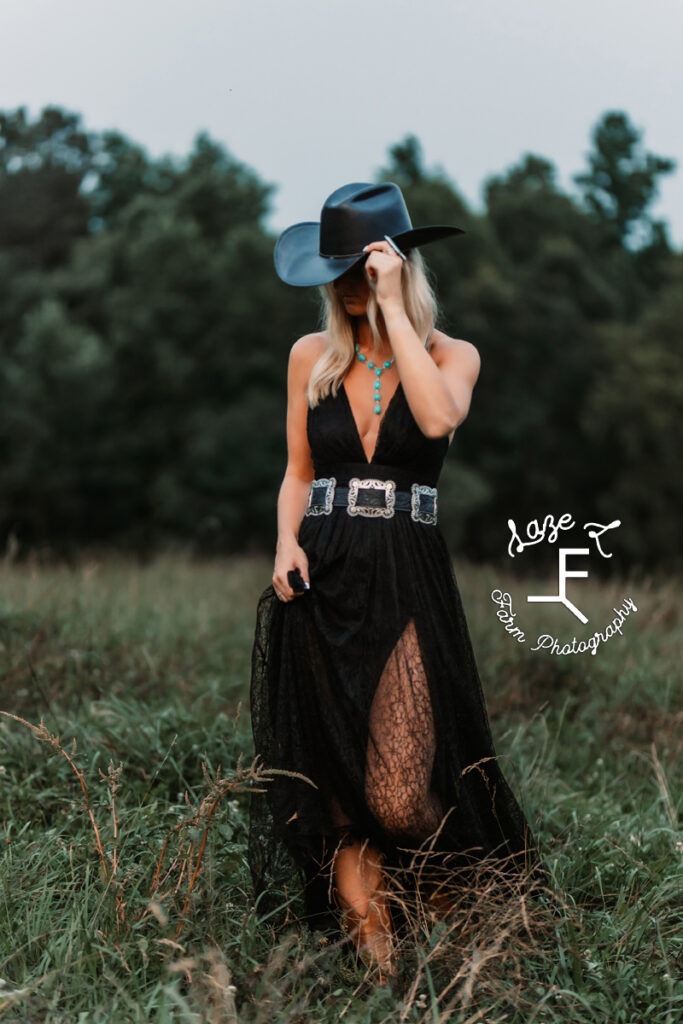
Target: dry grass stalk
{"x": 42, "y": 733}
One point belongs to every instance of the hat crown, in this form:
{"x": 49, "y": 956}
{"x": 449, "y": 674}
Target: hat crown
{"x": 359, "y": 213}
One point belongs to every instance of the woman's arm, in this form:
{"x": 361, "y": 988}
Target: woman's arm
{"x": 293, "y": 496}
{"x": 438, "y": 386}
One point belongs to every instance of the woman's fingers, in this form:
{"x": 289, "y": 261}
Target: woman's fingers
{"x": 287, "y": 563}
{"x": 382, "y": 249}
{"x": 302, "y": 566}
{"x": 381, "y": 260}
{"x": 381, "y": 246}
{"x": 283, "y": 589}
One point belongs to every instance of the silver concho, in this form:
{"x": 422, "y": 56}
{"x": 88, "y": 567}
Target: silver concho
{"x": 418, "y": 515}
{"x": 324, "y": 507}
{"x": 356, "y": 485}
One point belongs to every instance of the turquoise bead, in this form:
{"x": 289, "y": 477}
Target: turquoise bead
{"x": 378, "y": 370}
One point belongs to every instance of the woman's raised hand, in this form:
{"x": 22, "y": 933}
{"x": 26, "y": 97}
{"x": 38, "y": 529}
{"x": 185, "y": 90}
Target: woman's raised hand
{"x": 383, "y": 268}
{"x": 289, "y": 557}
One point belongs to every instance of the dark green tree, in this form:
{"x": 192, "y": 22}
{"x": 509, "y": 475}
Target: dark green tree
{"x": 622, "y": 179}
{"x": 42, "y": 168}
{"x": 633, "y": 417}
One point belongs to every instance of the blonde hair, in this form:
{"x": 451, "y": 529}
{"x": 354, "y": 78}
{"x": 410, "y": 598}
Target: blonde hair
{"x": 420, "y": 305}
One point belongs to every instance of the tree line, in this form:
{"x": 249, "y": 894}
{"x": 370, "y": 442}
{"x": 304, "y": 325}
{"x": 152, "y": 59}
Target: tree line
{"x": 144, "y": 339}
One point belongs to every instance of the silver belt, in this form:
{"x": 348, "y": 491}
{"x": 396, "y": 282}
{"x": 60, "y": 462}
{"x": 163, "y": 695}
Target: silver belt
{"x": 372, "y": 498}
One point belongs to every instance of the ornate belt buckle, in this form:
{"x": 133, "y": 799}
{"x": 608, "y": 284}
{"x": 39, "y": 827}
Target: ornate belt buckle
{"x": 371, "y": 503}
{"x": 422, "y": 503}
{"x": 321, "y": 496}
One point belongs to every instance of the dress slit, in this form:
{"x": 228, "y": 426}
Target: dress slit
{"x": 402, "y": 744}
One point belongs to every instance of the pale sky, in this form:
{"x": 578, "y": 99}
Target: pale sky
{"x": 311, "y": 93}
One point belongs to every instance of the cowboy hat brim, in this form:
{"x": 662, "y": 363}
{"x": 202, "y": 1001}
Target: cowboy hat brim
{"x": 298, "y": 261}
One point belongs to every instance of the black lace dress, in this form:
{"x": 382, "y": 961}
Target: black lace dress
{"x": 367, "y": 685}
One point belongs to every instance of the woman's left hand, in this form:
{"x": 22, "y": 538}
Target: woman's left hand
{"x": 383, "y": 268}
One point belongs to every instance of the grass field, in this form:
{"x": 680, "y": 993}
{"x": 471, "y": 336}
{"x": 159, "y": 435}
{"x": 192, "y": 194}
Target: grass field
{"x": 125, "y": 768}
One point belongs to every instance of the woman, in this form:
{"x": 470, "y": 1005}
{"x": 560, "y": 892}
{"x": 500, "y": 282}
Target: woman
{"x": 364, "y": 681}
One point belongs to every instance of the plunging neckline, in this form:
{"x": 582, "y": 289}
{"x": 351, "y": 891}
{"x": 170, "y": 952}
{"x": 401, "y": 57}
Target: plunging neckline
{"x": 381, "y": 422}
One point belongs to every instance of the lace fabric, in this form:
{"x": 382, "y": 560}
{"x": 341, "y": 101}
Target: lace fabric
{"x": 367, "y": 685}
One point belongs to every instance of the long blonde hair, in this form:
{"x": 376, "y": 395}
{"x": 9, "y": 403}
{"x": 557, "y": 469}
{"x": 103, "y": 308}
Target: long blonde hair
{"x": 420, "y": 305}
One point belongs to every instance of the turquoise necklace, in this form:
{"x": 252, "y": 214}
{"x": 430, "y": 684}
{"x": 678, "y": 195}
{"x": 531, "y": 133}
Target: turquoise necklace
{"x": 377, "y": 372}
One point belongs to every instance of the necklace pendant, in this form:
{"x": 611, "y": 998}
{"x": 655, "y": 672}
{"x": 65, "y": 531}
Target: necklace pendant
{"x": 377, "y": 373}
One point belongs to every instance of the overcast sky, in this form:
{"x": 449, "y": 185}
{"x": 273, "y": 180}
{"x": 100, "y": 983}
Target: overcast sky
{"x": 311, "y": 93}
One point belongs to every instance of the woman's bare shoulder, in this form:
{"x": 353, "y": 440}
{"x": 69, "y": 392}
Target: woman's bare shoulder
{"x": 441, "y": 343}
{"x": 441, "y": 346}
{"x": 303, "y": 356}
{"x": 309, "y": 347}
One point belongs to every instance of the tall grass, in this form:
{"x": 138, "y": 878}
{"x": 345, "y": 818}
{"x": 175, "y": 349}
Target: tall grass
{"x": 126, "y": 762}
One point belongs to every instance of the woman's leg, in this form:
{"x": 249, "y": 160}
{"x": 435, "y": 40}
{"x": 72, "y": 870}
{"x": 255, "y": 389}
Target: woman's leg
{"x": 400, "y": 754}
{"x": 402, "y": 744}
{"x": 400, "y": 757}
{"x": 361, "y": 894}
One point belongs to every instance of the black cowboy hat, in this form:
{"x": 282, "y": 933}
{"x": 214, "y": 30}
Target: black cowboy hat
{"x": 317, "y": 252}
